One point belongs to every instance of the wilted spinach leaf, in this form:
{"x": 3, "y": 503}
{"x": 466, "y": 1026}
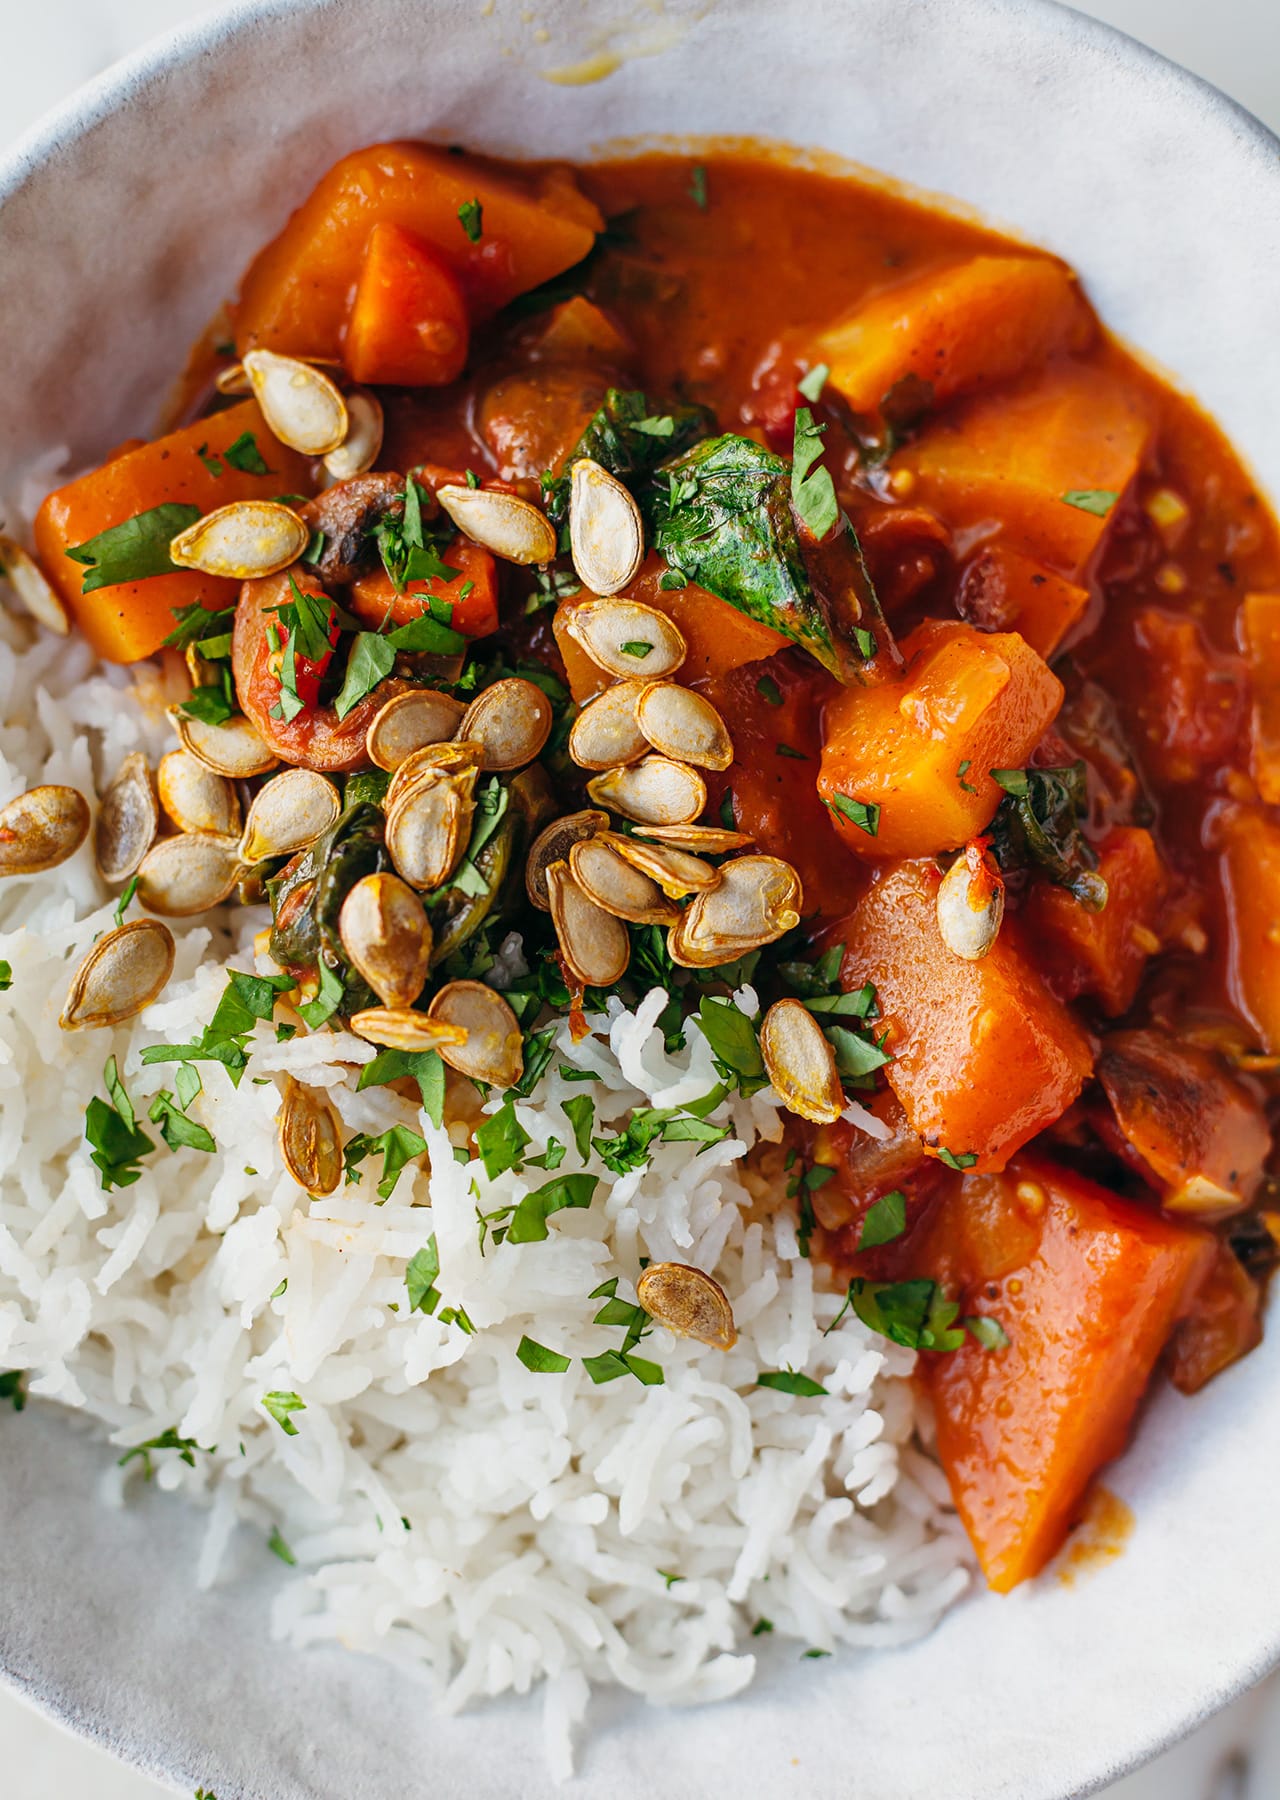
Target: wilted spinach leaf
{"x": 1038, "y": 827}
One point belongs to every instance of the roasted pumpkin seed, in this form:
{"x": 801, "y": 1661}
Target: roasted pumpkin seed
{"x": 183, "y": 875}
{"x": 195, "y": 798}
{"x": 301, "y": 405}
{"x": 232, "y": 748}
{"x": 511, "y": 721}
{"x": 287, "y": 813}
{"x": 27, "y": 579}
{"x": 400, "y": 1028}
{"x": 128, "y": 819}
{"x": 655, "y": 791}
{"x": 358, "y": 451}
{"x": 234, "y": 379}
{"x": 246, "y": 539}
{"x": 605, "y": 734}
{"x": 310, "y": 1137}
{"x": 554, "y": 845}
{"x": 42, "y": 828}
{"x": 627, "y": 638}
{"x": 606, "y": 532}
{"x": 384, "y": 930}
{"x": 409, "y": 722}
{"x": 621, "y": 889}
{"x": 970, "y": 903}
{"x": 689, "y": 1303}
{"x": 676, "y": 872}
{"x": 433, "y": 759}
{"x": 705, "y": 840}
{"x": 801, "y": 1063}
{"x": 758, "y": 899}
{"x": 427, "y": 830}
{"x": 593, "y": 943}
{"x": 512, "y": 528}
{"x": 122, "y": 974}
{"x": 681, "y": 724}
{"x": 490, "y": 1047}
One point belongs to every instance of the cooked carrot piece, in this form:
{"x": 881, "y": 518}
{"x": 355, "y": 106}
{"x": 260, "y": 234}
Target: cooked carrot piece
{"x": 408, "y": 321}
{"x": 1015, "y": 457}
{"x": 922, "y": 748}
{"x": 1087, "y": 1287}
{"x": 984, "y": 1055}
{"x": 1250, "y": 868}
{"x": 1260, "y": 629}
{"x": 1103, "y": 953}
{"x": 474, "y": 614}
{"x": 718, "y": 636}
{"x": 1004, "y": 591}
{"x": 297, "y": 292}
{"x": 957, "y": 328}
{"x": 130, "y": 619}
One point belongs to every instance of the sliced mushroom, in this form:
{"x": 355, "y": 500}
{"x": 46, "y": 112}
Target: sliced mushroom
{"x": 511, "y": 721}
{"x": 310, "y": 1137}
{"x": 122, "y": 974}
{"x": 801, "y": 1063}
{"x": 681, "y": 724}
{"x": 758, "y": 899}
{"x": 627, "y": 638}
{"x": 400, "y": 1028}
{"x": 512, "y": 528}
{"x": 970, "y": 903}
{"x": 703, "y": 840}
{"x": 42, "y": 828}
{"x": 358, "y": 451}
{"x": 605, "y": 734}
{"x": 233, "y": 748}
{"x": 247, "y": 539}
{"x": 289, "y": 812}
{"x": 606, "y": 532}
{"x": 195, "y": 798}
{"x": 676, "y": 872}
{"x": 613, "y": 883}
{"x": 412, "y": 721}
{"x": 302, "y": 406}
{"x": 688, "y": 1303}
{"x": 490, "y": 1047}
{"x": 384, "y": 930}
{"x": 427, "y": 830}
{"x": 183, "y": 875}
{"x": 344, "y": 518}
{"x": 128, "y": 819}
{"x": 28, "y": 582}
{"x": 655, "y": 791}
{"x": 554, "y": 845}
{"x": 594, "y": 944}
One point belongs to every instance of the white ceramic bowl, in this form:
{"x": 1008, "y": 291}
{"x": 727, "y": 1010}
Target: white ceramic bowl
{"x": 124, "y": 220}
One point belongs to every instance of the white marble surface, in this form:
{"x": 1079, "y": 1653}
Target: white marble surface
{"x": 48, "y": 48}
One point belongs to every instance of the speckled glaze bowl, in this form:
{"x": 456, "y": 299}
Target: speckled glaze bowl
{"x": 124, "y": 219}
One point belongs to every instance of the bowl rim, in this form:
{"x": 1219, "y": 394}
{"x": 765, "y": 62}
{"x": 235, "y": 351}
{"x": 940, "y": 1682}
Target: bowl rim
{"x": 144, "y": 71}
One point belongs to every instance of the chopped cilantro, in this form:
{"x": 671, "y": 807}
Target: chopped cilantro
{"x": 1098, "y": 501}
{"x": 280, "y": 1404}
{"x": 398, "y": 1146}
{"x": 111, "y": 1130}
{"x": 6, "y": 975}
{"x": 580, "y": 1110}
{"x": 698, "y": 185}
{"x": 989, "y": 1332}
{"x": 167, "y": 1440}
{"x": 769, "y": 691}
{"x": 420, "y": 1277}
{"x": 1013, "y": 781}
{"x": 134, "y": 550}
{"x": 786, "y": 750}
{"x": 471, "y": 218}
{"x": 915, "y": 1313}
{"x": 278, "y": 1547}
{"x": 611, "y": 1364}
{"x": 123, "y": 903}
{"x": 500, "y": 1138}
{"x": 865, "y": 814}
{"x": 426, "y": 1067}
{"x": 958, "y": 1159}
{"x": 961, "y": 771}
{"x": 884, "y": 1220}
{"x": 762, "y": 1627}
{"x": 539, "y": 1360}
{"x": 13, "y": 1388}
{"x": 812, "y": 383}
{"x": 733, "y": 1041}
{"x": 529, "y": 1219}
{"x": 812, "y": 494}
{"x": 371, "y": 660}
{"x": 789, "y": 1381}
{"x": 245, "y": 455}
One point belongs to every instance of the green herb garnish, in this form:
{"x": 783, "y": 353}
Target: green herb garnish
{"x": 280, "y": 1404}
{"x": 134, "y": 550}
{"x": 884, "y": 1220}
{"x": 539, "y": 1360}
{"x": 471, "y": 217}
{"x": 788, "y": 1381}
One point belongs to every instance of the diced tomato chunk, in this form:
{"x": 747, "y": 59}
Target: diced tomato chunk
{"x": 408, "y": 322}
{"x": 1087, "y": 1287}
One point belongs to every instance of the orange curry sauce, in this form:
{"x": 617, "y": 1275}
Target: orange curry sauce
{"x": 1077, "y": 1122}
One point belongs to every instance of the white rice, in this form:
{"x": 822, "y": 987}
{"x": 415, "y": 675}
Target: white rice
{"x": 490, "y": 1526}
